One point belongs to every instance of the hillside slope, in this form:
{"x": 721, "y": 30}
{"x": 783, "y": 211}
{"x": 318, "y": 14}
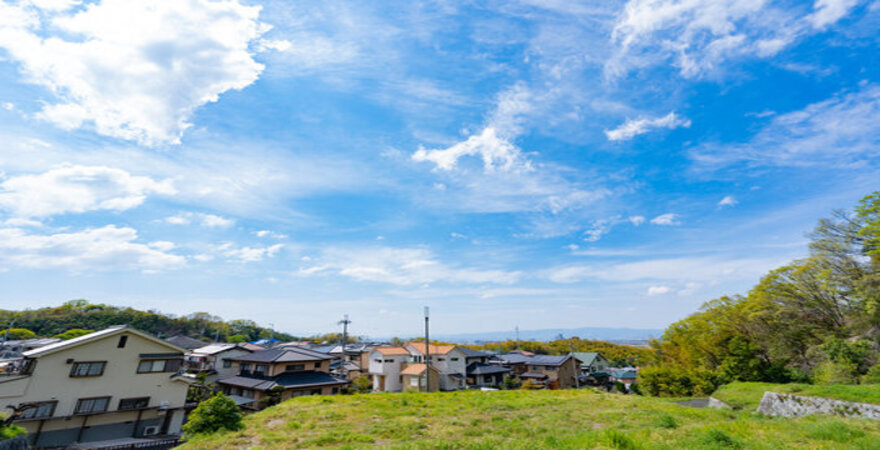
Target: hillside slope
{"x": 527, "y": 419}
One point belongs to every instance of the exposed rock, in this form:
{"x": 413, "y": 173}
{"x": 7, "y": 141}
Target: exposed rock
{"x": 715, "y": 403}
{"x": 787, "y": 405}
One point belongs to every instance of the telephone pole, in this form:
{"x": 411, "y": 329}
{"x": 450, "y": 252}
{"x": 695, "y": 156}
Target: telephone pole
{"x": 344, "y": 322}
{"x": 427, "y": 355}
{"x": 577, "y": 381}
{"x": 517, "y": 337}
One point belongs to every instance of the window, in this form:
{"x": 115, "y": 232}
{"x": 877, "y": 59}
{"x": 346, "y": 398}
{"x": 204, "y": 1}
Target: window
{"x": 122, "y": 341}
{"x": 453, "y": 359}
{"x": 536, "y": 368}
{"x": 39, "y": 411}
{"x": 441, "y": 359}
{"x": 88, "y": 369}
{"x": 245, "y": 367}
{"x": 260, "y": 369}
{"x": 378, "y": 361}
{"x": 413, "y": 381}
{"x": 317, "y": 365}
{"x": 158, "y": 365}
{"x": 487, "y": 378}
{"x": 133, "y": 403}
{"x": 295, "y": 367}
{"x": 91, "y": 405}
{"x": 247, "y": 393}
{"x": 389, "y": 360}
{"x": 227, "y": 363}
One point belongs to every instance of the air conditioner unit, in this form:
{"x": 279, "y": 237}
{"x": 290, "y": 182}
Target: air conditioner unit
{"x": 151, "y": 431}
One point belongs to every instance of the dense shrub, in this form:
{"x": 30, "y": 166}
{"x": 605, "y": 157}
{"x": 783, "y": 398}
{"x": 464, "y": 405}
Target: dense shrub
{"x": 671, "y": 381}
{"x": 217, "y": 413}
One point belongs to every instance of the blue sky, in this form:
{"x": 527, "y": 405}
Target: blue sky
{"x": 540, "y": 163}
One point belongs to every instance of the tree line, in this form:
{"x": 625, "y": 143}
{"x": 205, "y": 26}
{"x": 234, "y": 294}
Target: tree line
{"x": 77, "y": 317}
{"x": 617, "y": 354}
{"x": 816, "y": 319}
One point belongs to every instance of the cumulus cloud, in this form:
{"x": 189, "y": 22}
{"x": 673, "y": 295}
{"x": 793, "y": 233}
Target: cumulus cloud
{"x": 659, "y": 290}
{"x": 636, "y": 220}
{"x": 728, "y": 200}
{"x": 133, "y": 69}
{"x": 840, "y": 131}
{"x": 270, "y": 234}
{"x": 667, "y": 219}
{"x": 77, "y": 189}
{"x": 205, "y": 220}
{"x": 400, "y": 266}
{"x": 700, "y": 35}
{"x": 248, "y": 254}
{"x": 633, "y": 128}
{"x": 105, "y": 248}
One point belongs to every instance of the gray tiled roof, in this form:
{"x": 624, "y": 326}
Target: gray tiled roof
{"x": 288, "y": 380}
{"x": 549, "y": 360}
{"x": 283, "y": 355}
{"x": 473, "y": 353}
{"x": 485, "y": 369}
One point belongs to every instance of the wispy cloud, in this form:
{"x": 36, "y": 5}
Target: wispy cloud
{"x": 668, "y": 219}
{"x": 633, "y": 128}
{"x": 203, "y": 219}
{"x": 728, "y": 200}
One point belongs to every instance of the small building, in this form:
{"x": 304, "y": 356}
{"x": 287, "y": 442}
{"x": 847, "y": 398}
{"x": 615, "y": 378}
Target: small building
{"x": 385, "y": 366}
{"x": 111, "y": 384}
{"x": 413, "y": 377}
{"x": 626, "y": 376}
{"x": 216, "y": 360}
{"x": 556, "y": 372}
{"x": 449, "y": 360}
{"x": 15, "y": 349}
{"x": 287, "y": 371}
{"x": 592, "y": 362}
{"x": 481, "y": 375}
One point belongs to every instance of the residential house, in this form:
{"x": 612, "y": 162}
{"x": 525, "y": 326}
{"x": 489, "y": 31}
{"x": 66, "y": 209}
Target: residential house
{"x": 288, "y": 371}
{"x": 449, "y": 360}
{"x": 555, "y": 372}
{"x": 516, "y": 362}
{"x": 111, "y": 384}
{"x": 592, "y": 362}
{"x": 353, "y": 362}
{"x": 626, "y": 376}
{"x": 216, "y": 360}
{"x": 386, "y": 363}
{"x": 480, "y": 373}
{"x": 414, "y": 377}
{"x": 15, "y": 349}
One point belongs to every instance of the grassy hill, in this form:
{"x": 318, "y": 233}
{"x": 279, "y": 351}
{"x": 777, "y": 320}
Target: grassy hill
{"x": 528, "y": 419}
{"x": 748, "y": 395}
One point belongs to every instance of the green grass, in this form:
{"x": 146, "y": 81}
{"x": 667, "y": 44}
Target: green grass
{"x": 528, "y": 419}
{"x": 748, "y": 395}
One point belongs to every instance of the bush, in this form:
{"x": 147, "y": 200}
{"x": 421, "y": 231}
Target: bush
{"x": 217, "y": 413}
{"x": 10, "y": 431}
{"x": 671, "y": 381}
{"x": 362, "y": 384}
{"x": 873, "y": 375}
{"x": 510, "y": 383}
{"x": 835, "y": 373}
{"x": 19, "y": 334}
{"x": 72, "y": 333}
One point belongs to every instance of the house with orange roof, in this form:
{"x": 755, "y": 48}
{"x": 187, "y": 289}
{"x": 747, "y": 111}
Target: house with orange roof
{"x": 393, "y": 369}
{"x": 413, "y": 378}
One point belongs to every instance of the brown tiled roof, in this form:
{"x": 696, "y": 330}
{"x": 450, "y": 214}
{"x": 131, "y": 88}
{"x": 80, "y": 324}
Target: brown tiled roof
{"x": 435, "y": 349}
{"x": 413, "y": 369}
{"x": 392, "y": 350}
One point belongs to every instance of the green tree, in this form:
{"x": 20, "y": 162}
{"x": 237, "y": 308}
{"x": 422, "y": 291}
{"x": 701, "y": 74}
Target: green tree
{"x": 362, "y": 384}
{"x": 217, "y": 413}
{"x": 72, "y": 333}
{"x": 20, "y": 334}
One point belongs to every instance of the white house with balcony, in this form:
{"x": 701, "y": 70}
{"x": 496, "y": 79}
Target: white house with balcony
{"x": 389, "y": 365}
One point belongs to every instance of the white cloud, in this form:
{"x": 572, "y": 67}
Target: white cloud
{"x": 636, "y": 220}
{"x": 690, "y": 288}
{"x": 270, "y": 234}
{"x": 673, "y": 270}
{"x": 633, "y": 128}
{"x": 77, "y": 189}
{"x": 401, "y": 266}
{"x": 839, "y": 132}
{"x": 728, "y": 200}
{"x": 667, "y": 219}
{"x": 659, "y": 290}
{"x": 205, "y": 220}
{"x": 133, "y": 69}
{"x": 493, "y": 145}
{"x": 248, "y": 254}
{"x": 700, "y": 35}
{"x": 105, "y": 248}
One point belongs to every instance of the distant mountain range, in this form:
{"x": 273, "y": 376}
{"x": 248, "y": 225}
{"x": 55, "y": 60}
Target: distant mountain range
{"x": 616, "y": 335}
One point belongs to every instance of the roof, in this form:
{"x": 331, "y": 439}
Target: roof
{"x": 522, "y": 352}
{"x": 98, "y": 335}
{"x": 287, "y": 380}
{"x": 624, "y": 374}
{"x": 485, "y": 369}
{"x": 514, "y": 358}
{"x": 416, "y": 369}
{"x": 469, "y": 353}
{"x": 251, "y": 347}
{"x": 549, "y": 360}
{"x": 533, "y": 375}
{"x": 586, "y": 358}
{"x": 282, "y": 355}
{"x": 435, "y": 349}
{"x": 185, "y": 342}
{"x": 213, "y": 349}
{"x": 389, "y": 351}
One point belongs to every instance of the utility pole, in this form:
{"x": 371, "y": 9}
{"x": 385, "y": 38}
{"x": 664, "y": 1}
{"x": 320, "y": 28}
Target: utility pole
{"x": 577, "y": 367}
{"x": 344, "y": 322}
{"x": 427, "y": 355}
{"x": 517, "y": 337}
{"x": 271, "y": 333}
